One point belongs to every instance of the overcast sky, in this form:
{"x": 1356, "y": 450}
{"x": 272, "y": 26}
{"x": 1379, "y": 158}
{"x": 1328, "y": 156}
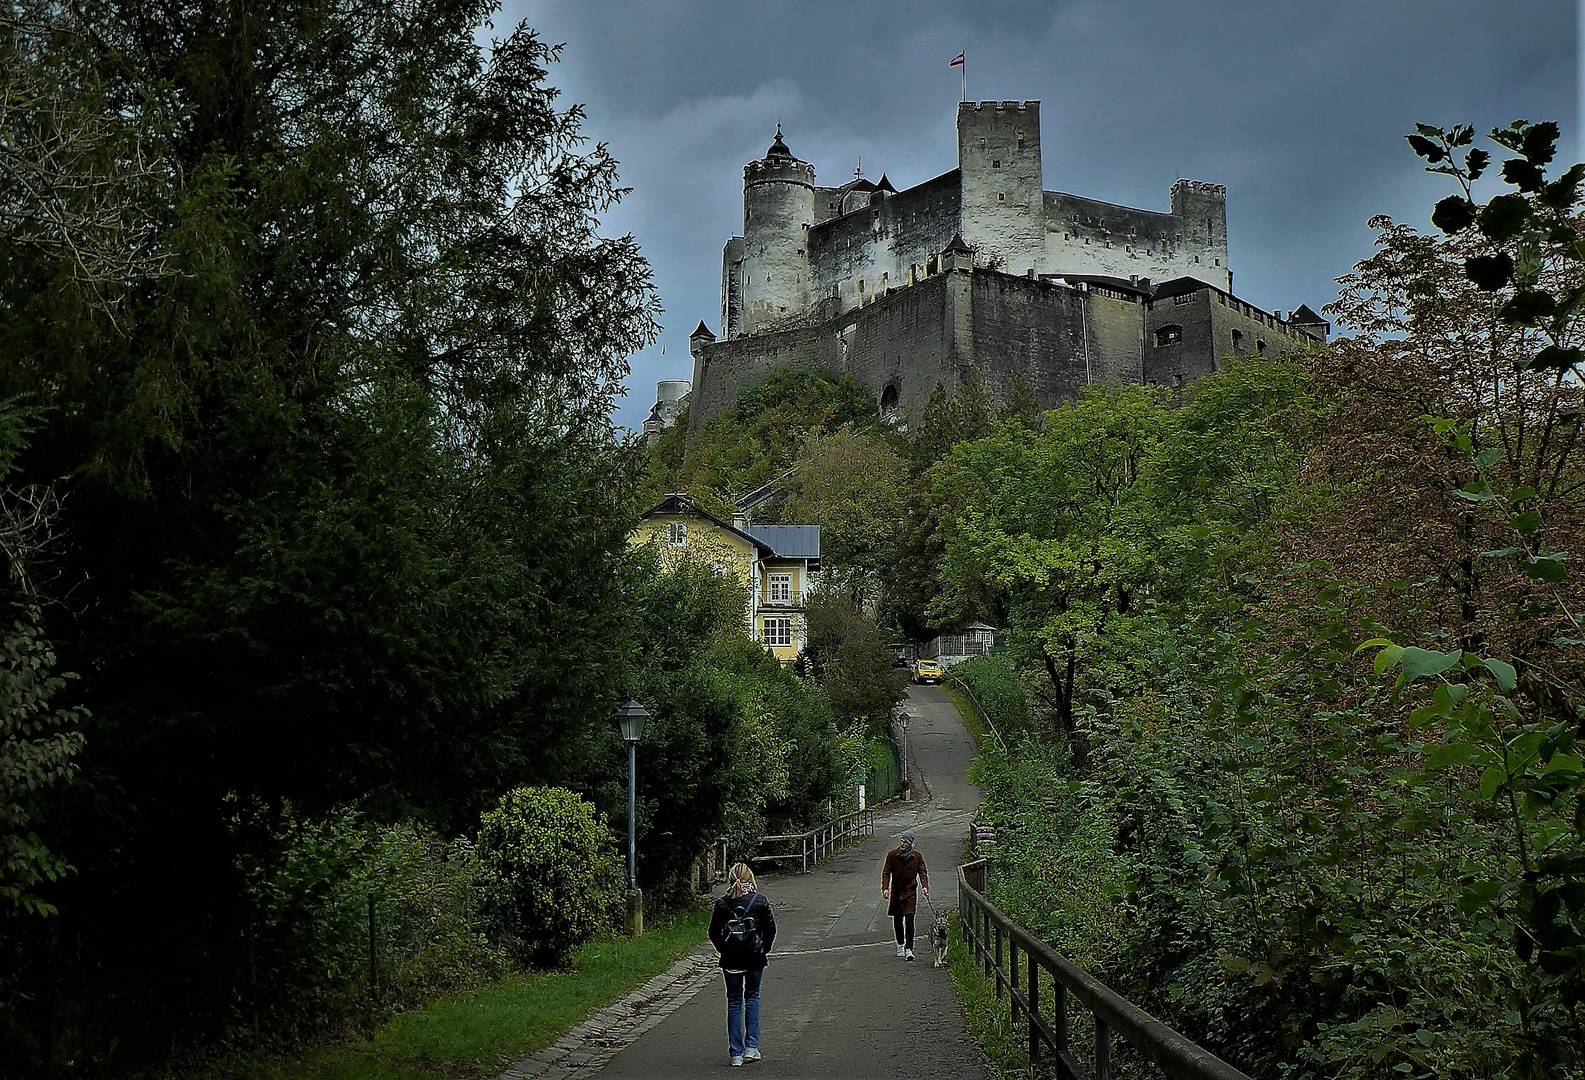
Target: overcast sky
{"x": 1298, "y": 106}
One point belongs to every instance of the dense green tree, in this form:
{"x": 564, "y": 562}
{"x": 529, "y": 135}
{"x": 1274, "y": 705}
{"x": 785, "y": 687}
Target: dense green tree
{"x": 852, "y": 486}
{"x": 345, "y": 513}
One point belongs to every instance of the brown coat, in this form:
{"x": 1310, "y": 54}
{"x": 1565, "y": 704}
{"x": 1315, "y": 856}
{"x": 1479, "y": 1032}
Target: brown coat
{"x": 903, "y": 876}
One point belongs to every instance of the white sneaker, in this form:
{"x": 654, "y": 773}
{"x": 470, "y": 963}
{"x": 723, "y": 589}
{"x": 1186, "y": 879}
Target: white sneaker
{"x": 899, "y": 952}
{"x": 737, "y": 1059}
{"x": 909, "y": 955}
{"x": 751, "y": 1054}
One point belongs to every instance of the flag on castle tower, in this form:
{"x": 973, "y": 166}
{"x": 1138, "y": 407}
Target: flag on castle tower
{"x": 956, "y": 61}
{"x": 663, "y": 350}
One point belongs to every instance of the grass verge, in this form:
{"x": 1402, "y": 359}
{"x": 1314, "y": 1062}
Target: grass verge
{"x": 481, "y": 1033}
{"x": 989, "y": 1019}
{"x": 971, "y": 717}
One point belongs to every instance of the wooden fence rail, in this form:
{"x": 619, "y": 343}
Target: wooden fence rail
{"x": 821, "y": 841}
{"x": 989, "y": 934}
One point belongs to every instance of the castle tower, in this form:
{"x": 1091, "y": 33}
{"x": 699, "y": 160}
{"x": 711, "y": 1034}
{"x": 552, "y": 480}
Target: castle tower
{"x": 778, "y": 209}
{"x": 1202, "y": 208}
{"x": 1004, "y": 211}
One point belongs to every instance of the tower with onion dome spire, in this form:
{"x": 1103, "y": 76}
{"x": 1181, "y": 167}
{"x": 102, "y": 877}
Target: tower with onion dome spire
{"x": 778, "y": 210}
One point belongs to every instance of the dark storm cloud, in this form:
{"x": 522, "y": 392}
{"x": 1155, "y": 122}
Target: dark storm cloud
{"x": 1298, "y": 107}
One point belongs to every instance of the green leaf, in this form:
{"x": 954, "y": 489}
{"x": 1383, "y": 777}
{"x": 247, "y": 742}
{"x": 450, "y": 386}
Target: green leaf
{"x": 1527, "y": 307}
{"x": 1492, "y": 779}
{"x": 1498, "y": 553}
{"x": 1546, "y": 567}
{"x": 1476, "y": 491}
{"x": 1522, "y": 174}
{"x": 1489, "y": 272}
{"x": 1526, "y": 523}
{"x": 1504, "y": 217}
{"x": 1453, "y": 214}
{"x": 1425, "y": 148}
{"x": 1539, "y": 142}
{"x": 1563, "y": 193}
{"x": 1388, "y": 658}
{"x": 1443, "y": 755}
{"x": 1475, "y": 162}
{"x": 1424, "y": 1037}
{"x": 1507, "y": 678}
{"x": 1478, "y": 894}
{"x": 1489, "y": 456}
{"x": 1418, "y": 663}
{"x": 1521, "y": 494}
{"x": 1428, "y": 130}
{"x": 1553, "y": 358}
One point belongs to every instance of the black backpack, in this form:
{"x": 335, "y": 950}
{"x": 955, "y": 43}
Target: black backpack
{"x": 742, "y": 932}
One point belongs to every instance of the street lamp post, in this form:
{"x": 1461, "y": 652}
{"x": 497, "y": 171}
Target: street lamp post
{"x": 631, "y": 718}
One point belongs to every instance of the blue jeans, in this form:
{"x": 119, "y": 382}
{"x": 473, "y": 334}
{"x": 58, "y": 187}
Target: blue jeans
{"x": 742, "y": 1026}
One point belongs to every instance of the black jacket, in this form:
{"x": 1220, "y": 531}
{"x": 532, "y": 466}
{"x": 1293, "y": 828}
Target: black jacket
{"x": 734, "y": 956}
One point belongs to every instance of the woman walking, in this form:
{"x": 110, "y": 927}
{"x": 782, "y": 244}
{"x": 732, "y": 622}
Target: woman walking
{"x": 902, "y": 875}
{"x": 742, "y": 930}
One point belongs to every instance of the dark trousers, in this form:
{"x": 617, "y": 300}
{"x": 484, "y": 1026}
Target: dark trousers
{"x": 904, "y": 926}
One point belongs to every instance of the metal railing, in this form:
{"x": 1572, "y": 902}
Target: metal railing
{"x": 985, "y": 717}
{"x": 986, "y": 930}
{"x": 820, "y": 842}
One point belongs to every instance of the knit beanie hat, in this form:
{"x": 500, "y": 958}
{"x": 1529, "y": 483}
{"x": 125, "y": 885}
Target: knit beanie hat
{"x": 908, "y": 837}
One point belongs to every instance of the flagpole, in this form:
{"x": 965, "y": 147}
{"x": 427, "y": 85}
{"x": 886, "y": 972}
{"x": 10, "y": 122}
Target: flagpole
{"x": 965, "y": 75}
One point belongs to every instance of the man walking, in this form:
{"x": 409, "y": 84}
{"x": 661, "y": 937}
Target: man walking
{"x": 902, "y": 876}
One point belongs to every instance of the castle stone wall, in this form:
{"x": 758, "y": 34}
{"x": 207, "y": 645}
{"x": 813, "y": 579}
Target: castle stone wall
{"x": 887, "y": 238}
{"x": 1087, "y": 236}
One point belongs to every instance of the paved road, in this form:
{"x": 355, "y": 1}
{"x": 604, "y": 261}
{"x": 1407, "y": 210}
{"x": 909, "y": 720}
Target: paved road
{"x": 836, "y": 1002}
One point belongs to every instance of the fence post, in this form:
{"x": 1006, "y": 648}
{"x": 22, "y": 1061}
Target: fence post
{"x": 1034, "y": 1009}
{"x": 371, "y": 941}
{"x": 1103, "y": 1050}
{"x": 1059, "y": 1018}
{"x": 803, "y": 851}
{"x": 1012, "y": 979}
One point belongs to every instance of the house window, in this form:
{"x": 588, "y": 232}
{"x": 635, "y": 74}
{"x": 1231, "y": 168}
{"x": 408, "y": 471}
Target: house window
{"x": 1169, "y": 335}
{"x": 676, "y": 533}
{"x": 778, "y": 631}
{"x": 781, "y": 588}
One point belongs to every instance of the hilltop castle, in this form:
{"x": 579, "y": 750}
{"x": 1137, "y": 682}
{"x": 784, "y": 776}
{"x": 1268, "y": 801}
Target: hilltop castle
{"x": 980, "y": 269}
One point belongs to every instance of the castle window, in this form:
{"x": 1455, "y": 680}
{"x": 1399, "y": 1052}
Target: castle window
{"x": 1238, "y": 340}
{"x": 1169, "y": 335}
{"x": 996, "y": 163}
{"x": 1184, "y": 298}
{"x": 1020, "y": 140}
{"x": 1260, "y": 347}
{"x": 982, "y": 144}
{"x": 677, "y": 533}
{"x": 1218, "y": 262}
{"x": 1001, "y": 196}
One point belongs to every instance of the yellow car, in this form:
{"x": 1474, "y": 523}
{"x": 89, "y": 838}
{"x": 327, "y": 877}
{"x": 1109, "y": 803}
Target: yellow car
{"x": 927, "y": 671}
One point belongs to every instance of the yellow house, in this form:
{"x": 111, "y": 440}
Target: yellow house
{"x": 777, "y": 564}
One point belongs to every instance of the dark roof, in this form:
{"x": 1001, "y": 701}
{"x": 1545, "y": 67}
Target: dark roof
{"x": 778, "y": 149}
{"x": 701, "y": 331}
{"x": 1305, "y": 317}
{"x": 1179, "y": 286}
{"x": 858, "y": 183}
{"x": 885, "y": 185}
{"x": 789, "y": 541}
{"x": 957, "y": 244}
{"x": 680, "y": 503}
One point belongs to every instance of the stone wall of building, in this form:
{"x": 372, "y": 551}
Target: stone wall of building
{"x": 885, "y": 246}
{"x": 1087, "y": 236}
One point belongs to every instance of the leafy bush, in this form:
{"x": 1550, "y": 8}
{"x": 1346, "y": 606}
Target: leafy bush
{"x": 309, "y": 916}
{"x": 555, "y": 867}
{"x": 1000, "y": 692}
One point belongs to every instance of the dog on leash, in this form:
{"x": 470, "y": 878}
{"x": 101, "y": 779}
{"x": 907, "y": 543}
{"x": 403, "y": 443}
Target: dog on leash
{"x": 939, "y": 939}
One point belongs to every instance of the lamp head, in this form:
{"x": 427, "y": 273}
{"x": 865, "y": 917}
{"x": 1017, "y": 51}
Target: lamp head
{"x": 631, "y": 718}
